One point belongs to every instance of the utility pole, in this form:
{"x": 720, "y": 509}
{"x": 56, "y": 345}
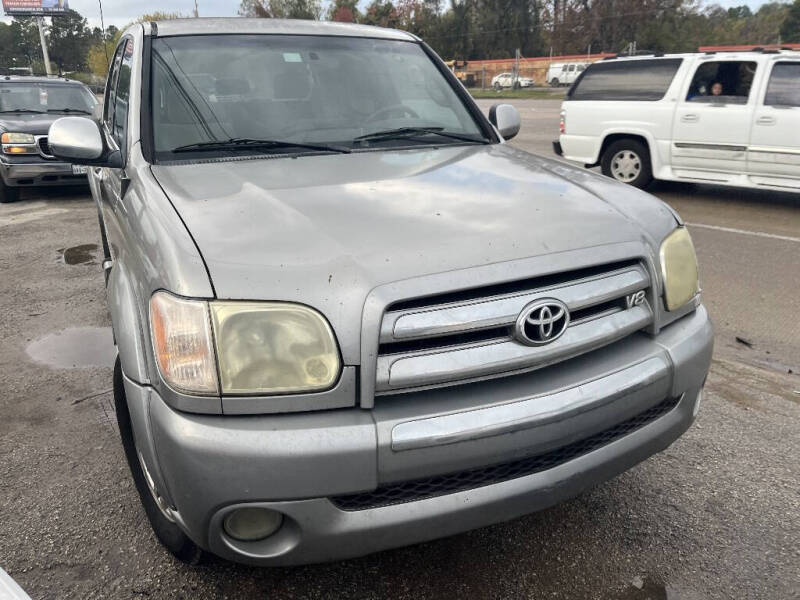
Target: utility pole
{"x": 103, "y": 28}
{"x": 196, "y": 12}
{"x": 43, "y": 39}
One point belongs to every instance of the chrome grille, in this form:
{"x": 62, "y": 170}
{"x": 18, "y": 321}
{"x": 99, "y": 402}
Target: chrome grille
{"x": 44, "y": 147}
{"x": 449, "y": 342}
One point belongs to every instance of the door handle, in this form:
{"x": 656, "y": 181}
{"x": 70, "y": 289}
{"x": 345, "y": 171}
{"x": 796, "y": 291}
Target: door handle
{"x": 690, "y": 118}
{"x": 765, "y": 121}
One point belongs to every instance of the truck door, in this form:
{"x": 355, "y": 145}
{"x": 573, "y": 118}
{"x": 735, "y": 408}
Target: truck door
{"x": 773, "y": 156}
{"x": 712, "y": 121}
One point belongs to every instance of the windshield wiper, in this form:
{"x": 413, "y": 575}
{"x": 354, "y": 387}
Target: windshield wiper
{"x": 247, "y": 143}
{"x": 69, "y": 110}
{"x": 407, "y": 132}
{"x": 23, "y": 110}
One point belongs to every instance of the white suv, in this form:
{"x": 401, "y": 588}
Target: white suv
{"x": 729, "y": 118}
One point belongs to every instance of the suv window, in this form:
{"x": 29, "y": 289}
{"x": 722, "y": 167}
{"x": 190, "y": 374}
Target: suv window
{"x": 726, "y": 82}
{"x": 784, "y": 85}
{"x": 626, "y": 80}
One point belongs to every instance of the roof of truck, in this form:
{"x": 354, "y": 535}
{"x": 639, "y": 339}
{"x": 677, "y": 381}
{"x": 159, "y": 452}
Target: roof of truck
{"x": 234, "y": 25}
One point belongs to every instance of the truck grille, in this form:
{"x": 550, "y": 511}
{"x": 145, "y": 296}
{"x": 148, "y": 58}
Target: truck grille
{"x": 469, "y": 335}
{"x": 430, "y": 487}
{"x": 44, "y": 147}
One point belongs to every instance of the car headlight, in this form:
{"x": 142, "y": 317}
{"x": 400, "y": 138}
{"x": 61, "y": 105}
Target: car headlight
{"x": 273, "y": 348}
{"x": 678, "y": 269}
{"x": 18, "y": 143}
{"x": 260, "y": 347}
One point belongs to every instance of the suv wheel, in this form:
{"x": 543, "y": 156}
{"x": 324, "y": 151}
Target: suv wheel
{"x": 628, "y": 161}
{"x": 7, "y": 193}
{"x": 167, "y": 532}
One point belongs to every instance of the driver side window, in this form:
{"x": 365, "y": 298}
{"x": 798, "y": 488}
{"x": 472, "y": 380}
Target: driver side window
{"x": 111, "y": 87}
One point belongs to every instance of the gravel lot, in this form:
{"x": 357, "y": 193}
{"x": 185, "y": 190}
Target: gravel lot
{"x": 717, "y": 515}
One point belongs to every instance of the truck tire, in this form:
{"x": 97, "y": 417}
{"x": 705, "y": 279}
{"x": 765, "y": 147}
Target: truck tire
{"x": 554, "y": 82}
{"x": 167, "y": 532}
{"x": 628, "y": 161}
{"x": 7, "y": 193}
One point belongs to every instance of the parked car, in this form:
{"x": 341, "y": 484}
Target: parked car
{"x": 28, "y": 106}
{"x": 563, "y": 74}
{"x": 511, "y": 80}
{"x": 349, "y": 316}
{"x": 728, "y": 118}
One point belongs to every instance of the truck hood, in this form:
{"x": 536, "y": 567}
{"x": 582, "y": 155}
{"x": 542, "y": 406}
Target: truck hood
{"x": 325, "y": 230}
{"x": 28, "y": 122}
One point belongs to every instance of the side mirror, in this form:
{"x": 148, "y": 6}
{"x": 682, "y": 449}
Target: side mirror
{"x": 79, "y": 140}
{"x": 506, "y": 118}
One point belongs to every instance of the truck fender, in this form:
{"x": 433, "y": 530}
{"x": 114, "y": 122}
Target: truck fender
{"x": 125, "y": 319}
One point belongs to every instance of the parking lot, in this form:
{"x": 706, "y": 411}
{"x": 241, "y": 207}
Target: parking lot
{"x": 717, "y": 515}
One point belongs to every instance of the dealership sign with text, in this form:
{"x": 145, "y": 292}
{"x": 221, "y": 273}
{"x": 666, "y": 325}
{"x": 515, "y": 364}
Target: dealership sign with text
{"x": 35, "y": 7}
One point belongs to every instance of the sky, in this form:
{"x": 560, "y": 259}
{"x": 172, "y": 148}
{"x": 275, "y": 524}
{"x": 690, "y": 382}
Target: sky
{"x": 122, "y": 12}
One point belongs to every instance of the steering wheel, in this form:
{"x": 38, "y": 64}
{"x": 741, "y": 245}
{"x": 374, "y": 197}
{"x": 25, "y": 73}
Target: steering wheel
{"x": 388, "y": 110}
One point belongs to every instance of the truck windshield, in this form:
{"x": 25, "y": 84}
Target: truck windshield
{"x": 45, "y": 97}
{"x": 312, "y": 90}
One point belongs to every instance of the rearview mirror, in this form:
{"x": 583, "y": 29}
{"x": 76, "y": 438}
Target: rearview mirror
{"x": 506, "y": 118}
{"x": 79, "y": 140}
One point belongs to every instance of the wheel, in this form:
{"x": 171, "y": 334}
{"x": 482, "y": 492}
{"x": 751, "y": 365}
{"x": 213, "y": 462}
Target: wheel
{"x": 516, "y": 85}
{"x": 496, "y": 86}
{"x": 628, "y": 161}
{"x": 7, "y": 193}
{"x": 554, "y": 82}
{"x": 167, "y": 532}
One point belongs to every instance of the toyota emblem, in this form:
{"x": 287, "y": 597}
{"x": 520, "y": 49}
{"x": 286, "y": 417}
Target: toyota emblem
{"x": 542, "y": 322}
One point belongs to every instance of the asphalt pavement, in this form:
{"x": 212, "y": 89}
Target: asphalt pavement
{"x": 717, "y": 515}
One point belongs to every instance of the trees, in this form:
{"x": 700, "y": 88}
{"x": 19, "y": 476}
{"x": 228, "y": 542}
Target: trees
{"x": 344, "y": 11}
{"x": 790, "y": 29}
{"x": 70, "y": 39}
{"x": 281, "y": 9}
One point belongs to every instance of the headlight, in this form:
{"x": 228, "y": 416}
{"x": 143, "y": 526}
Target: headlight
{"x": 17, "y": 138}
{"x": 18, "y": 143}
{"x": 273, "y": 348}
{"x": 678, "y": 269}
{"x": 261, "y": 347}
{"x": 181, "y": 331}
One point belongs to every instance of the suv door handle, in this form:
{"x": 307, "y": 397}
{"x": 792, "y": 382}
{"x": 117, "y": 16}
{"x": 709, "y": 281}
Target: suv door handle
{"x": 765, "y": 121}
{"x": 690, "y": 118}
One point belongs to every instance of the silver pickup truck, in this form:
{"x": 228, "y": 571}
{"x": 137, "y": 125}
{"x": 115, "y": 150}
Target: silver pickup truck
{"x": 349, "y": 316}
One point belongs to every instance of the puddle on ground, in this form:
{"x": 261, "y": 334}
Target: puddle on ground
{"x": 75, "y": 348}
{"x": 84, "y": 254}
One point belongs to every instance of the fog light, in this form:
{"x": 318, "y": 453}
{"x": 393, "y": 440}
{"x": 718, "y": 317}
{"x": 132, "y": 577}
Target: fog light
{"x": 252, "y": 524}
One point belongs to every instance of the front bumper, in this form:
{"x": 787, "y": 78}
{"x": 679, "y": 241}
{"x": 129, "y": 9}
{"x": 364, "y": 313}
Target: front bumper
{"x": 303, "y": 465}
{"x": 38, "y": 172}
